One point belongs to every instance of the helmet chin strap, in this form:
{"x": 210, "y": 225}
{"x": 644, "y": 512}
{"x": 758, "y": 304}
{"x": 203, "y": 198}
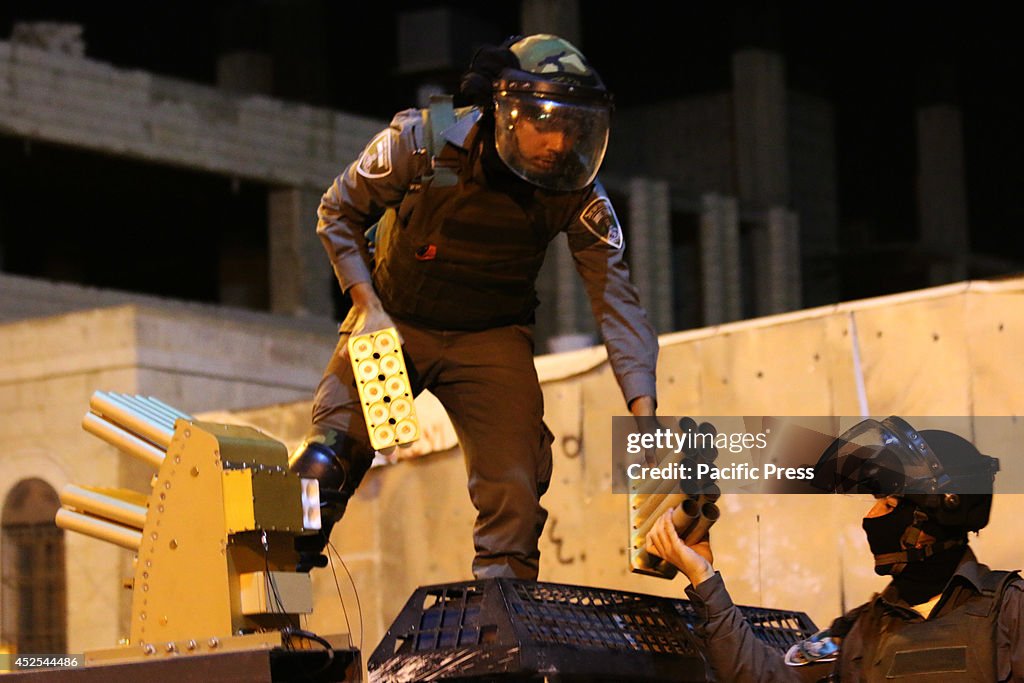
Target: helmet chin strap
{"x": 911, "y": 552}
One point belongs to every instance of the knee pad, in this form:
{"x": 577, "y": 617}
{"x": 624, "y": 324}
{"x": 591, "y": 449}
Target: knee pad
{"x": 316, "y": 460}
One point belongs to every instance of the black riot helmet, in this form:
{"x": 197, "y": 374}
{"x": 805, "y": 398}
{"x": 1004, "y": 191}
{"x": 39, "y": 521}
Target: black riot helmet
{"x": 939, "y": 472}
{"x": 552, "y": 114}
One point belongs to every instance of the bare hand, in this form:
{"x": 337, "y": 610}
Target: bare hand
{"x": 371, "y": 320}
{"x": 642, "y": 409}
{"x": 367, "y": 314}
{"x": 694, "y": 561}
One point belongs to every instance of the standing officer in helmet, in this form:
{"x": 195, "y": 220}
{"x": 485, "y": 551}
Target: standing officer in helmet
{"x": 944, "y": 616}
{"x": 466, "y": 202}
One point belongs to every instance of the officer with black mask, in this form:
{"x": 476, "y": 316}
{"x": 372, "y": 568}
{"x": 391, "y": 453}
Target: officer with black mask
{"x": 943, "y": 617}
{"x": 465, "y": 202}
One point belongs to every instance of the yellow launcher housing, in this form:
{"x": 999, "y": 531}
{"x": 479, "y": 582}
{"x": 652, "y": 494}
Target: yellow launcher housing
{"x": 214, "y": 538}
{"x": 692, "y": 516}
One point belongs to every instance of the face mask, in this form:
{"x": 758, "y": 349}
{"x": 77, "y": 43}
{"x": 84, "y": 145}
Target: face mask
{"x": 885, "y": 533}
{"x": 918, "y": 580}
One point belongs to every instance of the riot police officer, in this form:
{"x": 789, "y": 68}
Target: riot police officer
{"x": 466, "y": 202}
{"x": 943, "y": 617}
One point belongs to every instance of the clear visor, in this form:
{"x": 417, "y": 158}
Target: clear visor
{"x": 881, "y": 458}
{"x": 556, "y": 144}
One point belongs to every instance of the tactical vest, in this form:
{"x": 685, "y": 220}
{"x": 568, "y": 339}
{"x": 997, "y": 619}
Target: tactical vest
{"x": 459, "y": 255}
{"x": 958, "y": 646}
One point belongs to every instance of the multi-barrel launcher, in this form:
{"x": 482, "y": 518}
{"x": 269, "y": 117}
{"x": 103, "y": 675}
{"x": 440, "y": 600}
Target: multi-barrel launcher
{"x": 213, "y": 537}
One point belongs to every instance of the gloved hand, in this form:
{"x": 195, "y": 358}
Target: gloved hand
{"x": 310, "y": 549}
{"x": 477, "y": 86}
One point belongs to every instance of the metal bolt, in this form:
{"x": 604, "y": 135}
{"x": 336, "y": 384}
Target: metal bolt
{"x": 191, "y": 645}
{"x": 213, "y": 642}
{"x": 149, "y": 649}
{"x": 171, "y": 647}
{"x": 195, "y": 471}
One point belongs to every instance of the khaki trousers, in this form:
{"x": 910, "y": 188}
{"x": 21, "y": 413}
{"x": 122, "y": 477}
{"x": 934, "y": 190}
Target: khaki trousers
{"x": 487, "y": 383}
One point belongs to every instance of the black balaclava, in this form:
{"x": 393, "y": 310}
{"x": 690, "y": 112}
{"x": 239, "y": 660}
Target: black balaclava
{"x": 924, "y": 573}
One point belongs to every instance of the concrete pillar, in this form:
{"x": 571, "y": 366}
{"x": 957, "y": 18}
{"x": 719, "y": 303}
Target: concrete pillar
{"x": 719, "y": 248}
{"x": 942, "y": 191}
{"x": 245, "y": 66}
{"x": 300, "y": 272}
{"x": 759, "y": 118}
{"x": 561, "y": 17}
{"x": 650, "y": 248}
{"x": 564, "y": 321}
{"x": 777, "y": 267}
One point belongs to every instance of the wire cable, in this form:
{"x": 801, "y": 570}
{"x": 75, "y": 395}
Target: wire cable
{"x": 355, "y": 591}
{"x": 341, "y": 600}
{"x": 290, "y": 632}
{"x": 270, "y": 584}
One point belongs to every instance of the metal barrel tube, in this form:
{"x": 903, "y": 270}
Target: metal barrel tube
{"x": 158, "y": 409}
{"x": 142, "y": 409}
{"x": 104, "y": 505}
{"x": 130, "y": 420}
{"x": 170, "y": 410}
{"x": 685, "y": 515}
{"x": 655, "y": 563}
{"x": 644, "y": 527}
{"x": 662, "y": 487}
{"x": 98, "y": 528}
{"x": 709, "y": 514}
{"x": 710, "y": 494}
{"x": 123, "y": 440}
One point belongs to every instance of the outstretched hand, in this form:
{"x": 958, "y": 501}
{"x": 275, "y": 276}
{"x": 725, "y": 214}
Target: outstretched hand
{"x": 694, "y": 561}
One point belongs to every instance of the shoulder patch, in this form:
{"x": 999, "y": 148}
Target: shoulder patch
{"x": 599, "y": 218}
{"x": 376, "y": 159}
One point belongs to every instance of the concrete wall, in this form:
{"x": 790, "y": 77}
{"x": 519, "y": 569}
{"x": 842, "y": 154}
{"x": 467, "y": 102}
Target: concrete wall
{"x": 949, "y": 351}
{"x": 48, "y": 369}
{"x": 23, "y": 298}
{"x": 87, "y": 104}
{"x": 954, "y": 350}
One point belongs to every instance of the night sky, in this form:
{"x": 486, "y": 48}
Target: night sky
{"x": 874, "y": 61}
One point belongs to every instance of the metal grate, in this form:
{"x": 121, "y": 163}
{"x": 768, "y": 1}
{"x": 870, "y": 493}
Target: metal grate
{"x": 451, "y": 618}
{"x": 598, "y": 619}
{"x": 778, "y": 628}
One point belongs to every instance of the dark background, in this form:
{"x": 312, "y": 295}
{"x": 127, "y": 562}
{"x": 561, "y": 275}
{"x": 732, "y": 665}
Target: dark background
{"x": 875, "y": 62}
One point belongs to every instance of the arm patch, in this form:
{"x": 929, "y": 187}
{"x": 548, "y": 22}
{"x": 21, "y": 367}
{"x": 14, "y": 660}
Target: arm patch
{"x": 600, "y": 219}
{"x": 375, "y": 161}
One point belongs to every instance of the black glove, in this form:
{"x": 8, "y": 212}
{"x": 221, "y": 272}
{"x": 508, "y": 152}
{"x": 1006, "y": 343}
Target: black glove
{"x": 310, "y": 549}
{"x": 477, "y": 85}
